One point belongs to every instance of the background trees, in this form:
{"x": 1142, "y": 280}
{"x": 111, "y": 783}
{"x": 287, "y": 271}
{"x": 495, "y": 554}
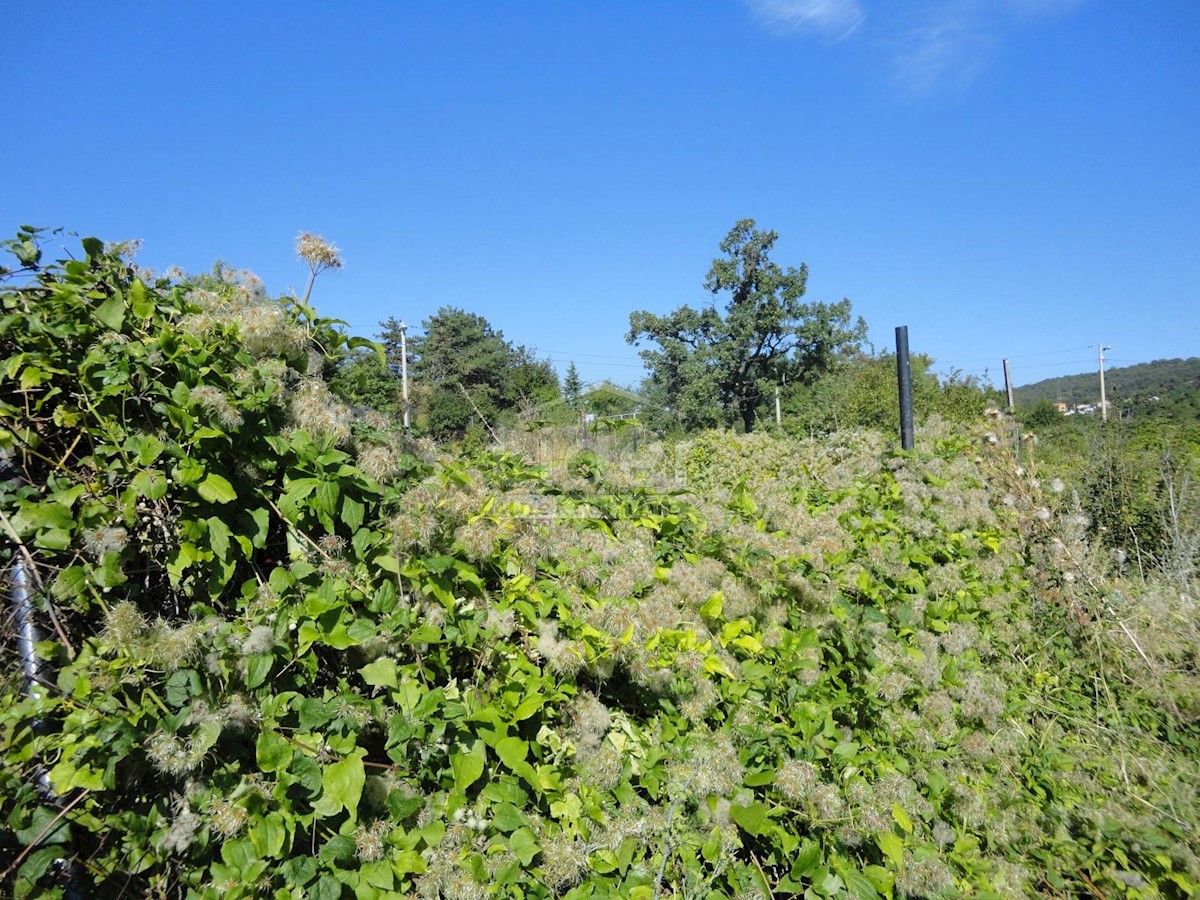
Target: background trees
{"x": 717, "y": 369}
{"x": 468, "y": 373}
{"x": 859, "y": 390}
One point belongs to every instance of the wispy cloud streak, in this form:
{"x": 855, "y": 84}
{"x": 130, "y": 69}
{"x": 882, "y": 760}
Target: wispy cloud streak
{"x": 929, "y": 46}
{"x": 944, "y": 47}
{"x": 831, "y": 19}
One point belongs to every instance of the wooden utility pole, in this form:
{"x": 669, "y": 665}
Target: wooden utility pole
{"x": 1008, "y": 387}
{"x": 1103, "y": 395}
{"x": 404, "y": 374}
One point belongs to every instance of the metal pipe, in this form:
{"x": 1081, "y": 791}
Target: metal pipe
{"x": 33, "y": 682}
{"x": 904, "y": 378}
{"x": 28, "y": 633}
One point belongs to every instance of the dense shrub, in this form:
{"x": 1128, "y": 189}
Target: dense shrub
{"x": 295, "y": 657}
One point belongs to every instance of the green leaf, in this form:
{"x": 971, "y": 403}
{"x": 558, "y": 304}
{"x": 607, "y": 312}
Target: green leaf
{"x": 258, "y": 531}
{"x": 150, "y": 484}
{"x": 326, "y": 497}
{"x": 34, "y": 516}
{"x": 468, "y": 765}
{"x": 53, "y": 539}
{"x": 267, "y": 835}
{"x": 218, "y": 538}
{"x": 807, "y": 860}
{"x": 891, "y": 846}
{"x": 860, "y": 885}
{"x": 148, "y": 448}
{"x": 40, "y": 829}
{"x": 272, "y": 752}
{"x": 352, "y": 513}
{"x": 512, "y": 751}
{"x": 299, "y": 870}
{"x": 881, "y": 878}
{"x": 507, "y": 818}
{"x": 66, "y": 777}
{"x": 380, "y": 673}
{"x": 758, "y": 779}
{"x": 406, "y": 862}
{"x": 711, "y": 609}
{"x": 528, "y": 707}
{"x": 524, "y": 845}
{"x": 142, "y": 306}
{"x": 902, "y": 818}
{"x": 258, "y": 667}
{"x": 326, "y": 888}
{"x": 216, "y": 489}
{"x": 401, "y": 806}
{"x": 37, "y": 864}
{"x": 343, "y": 782}
{"x": 751, "y": 818}
{"x": 378, "y": 874}
{"x": 111, "y": 312}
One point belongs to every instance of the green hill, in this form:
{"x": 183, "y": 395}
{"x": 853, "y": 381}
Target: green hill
{"x": 1169, "y": 387}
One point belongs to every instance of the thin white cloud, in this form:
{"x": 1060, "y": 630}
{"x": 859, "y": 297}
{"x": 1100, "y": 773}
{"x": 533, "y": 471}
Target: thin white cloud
{"x": 831, "y": 19}
{"x": 945, "y": 45}
{"x": 943, "y": 48}
{"x": 929, "y": 47}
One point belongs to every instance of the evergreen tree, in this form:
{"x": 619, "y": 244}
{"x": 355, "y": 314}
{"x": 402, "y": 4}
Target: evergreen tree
{"x": 467, "y": 372}
{"x": 572, "y": 386}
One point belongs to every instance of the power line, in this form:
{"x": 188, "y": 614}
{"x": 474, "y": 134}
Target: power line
{"x": 1069, "y": 362}
{"x": 589, "y": 362}
{"x": 593, "y": 355}
{"x": 1016, "y": 355}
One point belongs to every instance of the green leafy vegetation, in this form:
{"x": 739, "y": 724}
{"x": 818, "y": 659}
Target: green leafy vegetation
{"x": 296, "y": 654}
{"x": 860, "y": 391}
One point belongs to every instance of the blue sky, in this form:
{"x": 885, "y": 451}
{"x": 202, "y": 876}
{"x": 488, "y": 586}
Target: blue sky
{"x": 1011, "y": 178}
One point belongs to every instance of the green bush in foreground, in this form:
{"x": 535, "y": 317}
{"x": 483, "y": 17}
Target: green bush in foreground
{"x": 296, "y": 658}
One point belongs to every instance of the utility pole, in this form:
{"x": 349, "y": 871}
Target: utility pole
{"x": 1008, "y": 387}
{"x": 404, "y": 374}
{"x": 1103, "y": 396}
{"x": 778, "y": 410}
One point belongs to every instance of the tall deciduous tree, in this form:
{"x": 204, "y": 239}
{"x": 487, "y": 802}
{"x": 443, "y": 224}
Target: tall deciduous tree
{"x": 713, "y": 368}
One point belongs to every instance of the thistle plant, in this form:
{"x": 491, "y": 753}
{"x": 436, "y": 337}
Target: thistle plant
{"x": 319, "y": 255}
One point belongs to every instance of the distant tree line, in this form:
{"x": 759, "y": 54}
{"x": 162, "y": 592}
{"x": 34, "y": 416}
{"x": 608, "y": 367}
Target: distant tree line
{"x": 707, "y": 368}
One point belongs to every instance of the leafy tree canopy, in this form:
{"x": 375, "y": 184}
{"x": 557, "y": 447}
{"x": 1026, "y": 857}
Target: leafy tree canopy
{"x": 714, "y": 369}
{"x": 608, "y": 399}
{"x": 468, "y": 372}
{"x": 860, "y": 391}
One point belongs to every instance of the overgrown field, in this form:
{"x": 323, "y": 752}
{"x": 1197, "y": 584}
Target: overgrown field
{"x": 290, "y": 654}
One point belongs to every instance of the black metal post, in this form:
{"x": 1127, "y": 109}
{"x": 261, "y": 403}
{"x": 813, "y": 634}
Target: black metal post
{"x": 904, "y": 377}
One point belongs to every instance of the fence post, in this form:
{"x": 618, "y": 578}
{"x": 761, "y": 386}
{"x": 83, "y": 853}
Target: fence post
{"x": 904, "y": 378}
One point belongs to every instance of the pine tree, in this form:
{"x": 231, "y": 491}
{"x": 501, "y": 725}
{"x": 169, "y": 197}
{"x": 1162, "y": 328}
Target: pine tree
{"x": 572, "y": 386}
